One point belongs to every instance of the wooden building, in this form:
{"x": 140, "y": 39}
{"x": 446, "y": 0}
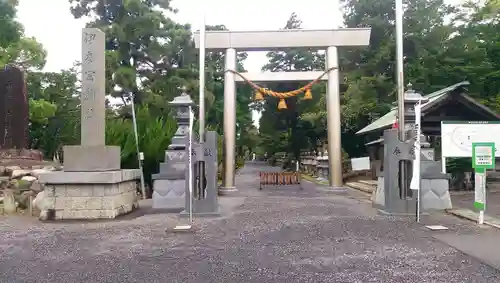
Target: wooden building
{"x": 449, "y": 104}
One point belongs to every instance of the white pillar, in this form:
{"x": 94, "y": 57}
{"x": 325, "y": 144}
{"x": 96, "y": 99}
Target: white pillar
{"x": 93, "y": 96}
{"x": 229, "y": 120}
{"x": 333, "y": 119}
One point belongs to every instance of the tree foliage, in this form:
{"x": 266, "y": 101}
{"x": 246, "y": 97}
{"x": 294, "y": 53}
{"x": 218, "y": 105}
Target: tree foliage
{"x": 15, "y": 47}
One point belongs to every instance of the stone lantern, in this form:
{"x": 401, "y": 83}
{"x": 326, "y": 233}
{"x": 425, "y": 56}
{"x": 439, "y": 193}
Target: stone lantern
{"x": 169, "y": 184}
{"x": 182, "y": 103}
{"x": 411, "y": 98}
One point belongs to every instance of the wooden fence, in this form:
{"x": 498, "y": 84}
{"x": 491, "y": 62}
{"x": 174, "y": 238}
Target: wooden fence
{"x": 279, "y": 179}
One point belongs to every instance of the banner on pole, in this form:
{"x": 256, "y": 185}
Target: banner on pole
{"x": 415, "y": 180}
{"x": 480, "y": 191}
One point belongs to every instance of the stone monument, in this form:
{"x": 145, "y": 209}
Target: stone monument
{"x": 205, "y": 199}
{"x": 14, "y": 120}
{"x": 91, "y": 185}
{"x": 169, "y": 185}
{"x": 387, "y": 196}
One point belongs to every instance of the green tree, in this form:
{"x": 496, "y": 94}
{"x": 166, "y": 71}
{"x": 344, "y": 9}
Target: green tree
{"x": 477, "y": 39}
{"x": 430, "y": 58}
{"x": 145, "y": 46}
{"x": 15, "y": 48}
{"x": 289, "y": 122}
{"x": 54, "y": 110}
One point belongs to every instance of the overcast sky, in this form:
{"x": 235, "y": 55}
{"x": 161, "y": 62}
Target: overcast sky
{"x": 51, "y": 22}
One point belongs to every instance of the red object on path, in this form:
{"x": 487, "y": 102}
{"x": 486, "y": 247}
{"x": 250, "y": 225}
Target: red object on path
{"x": 395, "y": 125}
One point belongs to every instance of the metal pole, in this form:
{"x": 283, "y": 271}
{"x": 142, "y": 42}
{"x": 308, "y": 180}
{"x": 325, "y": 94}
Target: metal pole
{"x": 201, "y": 164}
{"x": 190, "y": 164}
{"x": 202, "y": 80}
{"x": 416, "y": 164}
{"x": 333, "y": 119}
{"x": 399, "y": 67}
{"x": 134, "y": 120}
{"x": 401, "y": 90}
{"x": 229, "y": 119}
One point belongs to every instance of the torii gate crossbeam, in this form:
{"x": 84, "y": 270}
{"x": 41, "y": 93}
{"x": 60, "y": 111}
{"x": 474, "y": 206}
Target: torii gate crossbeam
{"x": 232, "y": 41}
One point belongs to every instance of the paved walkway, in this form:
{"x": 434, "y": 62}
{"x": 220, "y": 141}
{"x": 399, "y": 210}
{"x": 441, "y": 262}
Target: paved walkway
{"x": 465, "y": 200}
{"x": 284, "y": 235}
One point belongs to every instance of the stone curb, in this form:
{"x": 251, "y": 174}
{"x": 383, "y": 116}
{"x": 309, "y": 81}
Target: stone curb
{"x": 471, "y": 192}
{"x": 313, "y": 180}
{"x": 473, "y": 216}
{"x": 310, "y": 179}
{"x": 352, "y": 185}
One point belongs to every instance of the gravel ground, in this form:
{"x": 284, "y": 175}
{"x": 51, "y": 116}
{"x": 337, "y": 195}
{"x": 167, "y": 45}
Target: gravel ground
{"x": 284, "y": 235}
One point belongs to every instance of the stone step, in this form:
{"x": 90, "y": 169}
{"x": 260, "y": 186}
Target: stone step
{"x": 361, "y": 187}
{"x": 368, "y": 182}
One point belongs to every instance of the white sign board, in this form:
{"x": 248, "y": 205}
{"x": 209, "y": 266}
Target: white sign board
{"x": 480, "y": 191}
{"x": 361, "y": 163}
{"x": 457, "y": 137}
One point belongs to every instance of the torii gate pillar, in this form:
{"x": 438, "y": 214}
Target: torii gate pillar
{"x": 232, "y": 41}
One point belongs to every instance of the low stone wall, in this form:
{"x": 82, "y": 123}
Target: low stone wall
{"x": 89, "y": 195}
{"x": 19, "y": 184}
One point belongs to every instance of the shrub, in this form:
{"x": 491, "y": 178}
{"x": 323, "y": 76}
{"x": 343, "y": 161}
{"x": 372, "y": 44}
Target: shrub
{"x": 154, "y": 135}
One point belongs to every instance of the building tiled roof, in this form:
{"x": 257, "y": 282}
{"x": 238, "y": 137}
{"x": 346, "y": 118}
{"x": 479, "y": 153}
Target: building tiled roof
{"x": 388, "y": 119}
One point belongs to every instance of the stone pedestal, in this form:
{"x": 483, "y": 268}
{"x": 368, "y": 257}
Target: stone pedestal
{"x": 322, "y": 168}
{"x": 91, "y": 158}
{"x": 90, "y": 195}
{"x": 169, "y": 186}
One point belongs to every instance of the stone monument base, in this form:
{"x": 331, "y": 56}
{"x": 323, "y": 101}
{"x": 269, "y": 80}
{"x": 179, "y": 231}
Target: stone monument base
{"x": 169, "y": 194}
{"x": 90, "y": 195}
{"x": 392, "y": 204}
{"x": 79, "y": 158}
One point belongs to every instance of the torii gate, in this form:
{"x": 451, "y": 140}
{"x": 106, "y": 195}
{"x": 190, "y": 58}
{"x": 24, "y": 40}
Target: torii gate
{"x": 232, "y": 41}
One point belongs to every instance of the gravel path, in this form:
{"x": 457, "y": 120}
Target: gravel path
{"x": 284, "y": 235}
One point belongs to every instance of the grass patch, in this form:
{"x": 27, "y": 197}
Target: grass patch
{"x": 313, "y": 180}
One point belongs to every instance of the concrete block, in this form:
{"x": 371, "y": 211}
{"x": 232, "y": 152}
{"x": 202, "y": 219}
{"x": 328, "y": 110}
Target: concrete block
{"x": 109, "y": 213}
{"x": 126, "y": 187}
{"x": 77, "y": 214}
{"x": 49, "y": 202}
{"x": 108, "y": 202}
{"x": 91, "y": 158}
{"x": 60, "y": 191}
{"x": 104, "y": 177}
{"x": 111, "y": 190}
{"x": 169, "y": 194}
{"x": 49, "y": 191}
{"x": 79, "y": 203}
{"x": 100, "y": 190}
{"x": 130, "y": 174}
